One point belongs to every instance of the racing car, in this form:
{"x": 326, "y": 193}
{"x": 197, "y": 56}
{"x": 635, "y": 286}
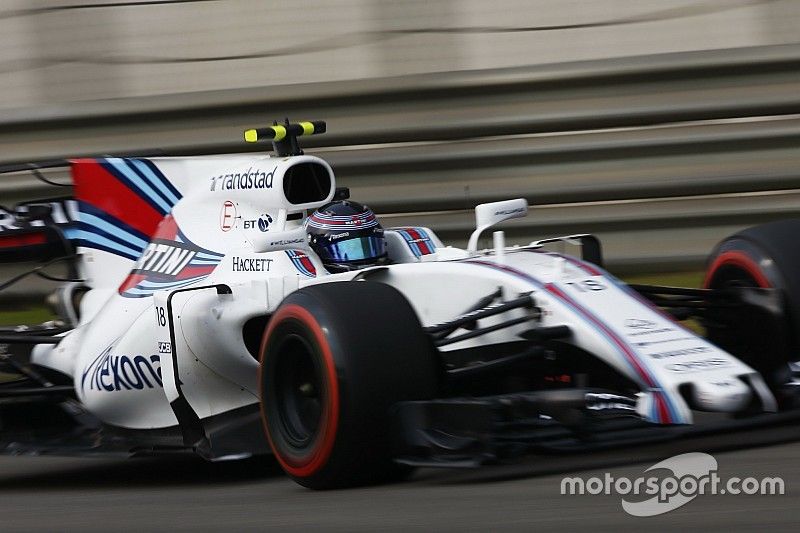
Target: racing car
{"x": 226, "y": 306}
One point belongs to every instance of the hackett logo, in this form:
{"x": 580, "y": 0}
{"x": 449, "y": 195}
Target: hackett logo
{"x": 243, "y": 181}
{"x": 250, "y": 264}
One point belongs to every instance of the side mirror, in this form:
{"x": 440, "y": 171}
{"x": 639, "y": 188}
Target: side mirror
{"x": 294, "y": 239}
{"x": 487, "y": 215}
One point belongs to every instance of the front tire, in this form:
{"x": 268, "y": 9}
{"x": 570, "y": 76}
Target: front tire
{"x": 335, "y": 357}
{"x": 767, "y": 257}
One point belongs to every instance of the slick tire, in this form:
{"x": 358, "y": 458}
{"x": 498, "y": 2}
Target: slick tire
{"x": 335, "y": 358}
{"x": 765, "y": 256}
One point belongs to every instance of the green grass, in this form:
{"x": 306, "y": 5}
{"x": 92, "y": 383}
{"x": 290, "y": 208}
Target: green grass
{"x": 674, "y": 279}
{"x": 25, "y": 315}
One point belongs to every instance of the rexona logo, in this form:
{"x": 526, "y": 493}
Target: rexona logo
{"x": 252, "y": 179}
{"x": 169, "y": 261}
{"x": 111, "y": 373}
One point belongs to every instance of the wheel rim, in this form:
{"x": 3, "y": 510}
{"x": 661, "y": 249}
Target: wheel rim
{"x": 734, "y": 278}
{"x": 299, "y": 398}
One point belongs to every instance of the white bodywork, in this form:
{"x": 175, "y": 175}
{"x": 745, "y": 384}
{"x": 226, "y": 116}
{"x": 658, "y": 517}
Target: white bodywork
{"x": 245, "y": 233}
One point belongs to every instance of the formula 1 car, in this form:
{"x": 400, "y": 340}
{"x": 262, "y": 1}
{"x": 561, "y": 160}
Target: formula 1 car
{"x": 205, "y": 323}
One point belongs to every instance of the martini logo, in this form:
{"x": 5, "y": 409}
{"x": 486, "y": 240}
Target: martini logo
{"x": 165, "y": 259}
{"x": 169, "y": 261}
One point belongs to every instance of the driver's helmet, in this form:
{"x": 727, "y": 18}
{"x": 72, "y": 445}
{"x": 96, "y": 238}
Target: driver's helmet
{"x": 346, "y": 236}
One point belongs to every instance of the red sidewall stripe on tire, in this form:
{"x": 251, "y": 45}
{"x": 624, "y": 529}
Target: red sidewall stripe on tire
{"x": 740, "y": 260}
{"x": 330, "y": 420}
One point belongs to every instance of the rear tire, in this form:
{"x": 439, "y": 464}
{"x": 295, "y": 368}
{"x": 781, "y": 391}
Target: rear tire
{"x": 335, "y": 357}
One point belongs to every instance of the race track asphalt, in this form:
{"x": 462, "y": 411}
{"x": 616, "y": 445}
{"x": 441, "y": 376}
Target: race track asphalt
{"x": 177, "y": 494}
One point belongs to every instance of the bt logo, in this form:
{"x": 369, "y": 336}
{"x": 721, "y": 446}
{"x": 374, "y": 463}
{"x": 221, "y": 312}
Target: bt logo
{"x": 262, "y": 223}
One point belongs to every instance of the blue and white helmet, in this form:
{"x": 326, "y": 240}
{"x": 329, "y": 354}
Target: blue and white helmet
{"x": 346, "y": 235}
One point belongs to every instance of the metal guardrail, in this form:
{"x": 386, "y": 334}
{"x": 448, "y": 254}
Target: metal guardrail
{"x": 582, "y": 96}
{"x": 661, "y": 156}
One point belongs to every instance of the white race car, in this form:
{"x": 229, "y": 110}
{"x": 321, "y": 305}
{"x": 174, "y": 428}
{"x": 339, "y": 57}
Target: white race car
{"x": 207, "y": 321}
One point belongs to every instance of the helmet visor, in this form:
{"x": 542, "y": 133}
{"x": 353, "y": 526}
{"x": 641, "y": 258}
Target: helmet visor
{"x": 357, "y": 249}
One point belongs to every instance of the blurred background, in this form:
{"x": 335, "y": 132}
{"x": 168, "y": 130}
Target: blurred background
{"x": 660, "y": 125}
